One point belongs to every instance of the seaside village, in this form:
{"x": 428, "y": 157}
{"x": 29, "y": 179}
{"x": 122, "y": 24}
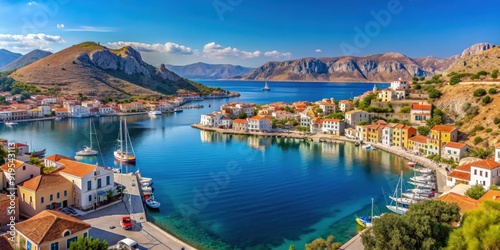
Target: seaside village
{"x": 331, "y": 120}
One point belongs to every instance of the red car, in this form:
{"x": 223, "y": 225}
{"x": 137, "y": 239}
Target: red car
{"x": 126, "y": 222}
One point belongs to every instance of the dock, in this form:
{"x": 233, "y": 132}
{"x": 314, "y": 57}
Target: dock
{"x": 355, "y": 243}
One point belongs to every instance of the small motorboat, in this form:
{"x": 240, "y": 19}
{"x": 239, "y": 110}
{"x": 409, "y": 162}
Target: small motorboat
{"x": 357, "y": 144}
{"x": 177, "y": 110}
{"x": 154, "y": 112}
{"x": 151, "y": 202}
{"x": 411, "y": 164}
{"x": 11, "y": 124}
{"x": 367, "y": 146}
{"x": 147, "y": 188}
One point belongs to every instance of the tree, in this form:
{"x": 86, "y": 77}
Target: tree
{"x": 480, "y": 153}
{"x": 3, "y": 155}
{"x": 494, "y": 187}
{"x": 477, "y": 140}
{"x": 15, "y": 91}
{"x": 417, "y": 86}
{"x": 423, "y": 130}
{"x": 243, "y": 115}
{"x": 492, "y": 91}
{"x": 110, "y": 195}
{"x": 434, "y": 93}
{"x": 321, "y": 244}
{"x": 486, "y": 100}
{"x": 455, "y": 79}
{"x": 479, "y": 92}
{"x": 363, "y": 123}
{"x": 475, "y": 192}
{"x": 302, "y": 128}
{"x": 425, "y": 225}
{"x": 421, "y": 78}
{"x": 319, "y": 110}
{"x": 479, "y": 229}
{"x": 2, "y": 100}
{"x": 405, "y": 110}
{"x": 292, "y": 247}
{"x": 85, "y": 243}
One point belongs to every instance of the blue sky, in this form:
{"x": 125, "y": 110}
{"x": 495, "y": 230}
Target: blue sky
{"x": 250, "y": 33}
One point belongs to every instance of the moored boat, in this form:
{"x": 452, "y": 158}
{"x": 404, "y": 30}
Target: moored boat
{"x": 11, "y": 124}
{"x": 266, "y": 87}
{"x": 422, "y": 170}
{"x": 177, "y": 110}
{"x": 367, "y": 221}
{"x": 154, "y": 112}
{"x": 398, "y": 207}
{"x": 429, "y": 185}
{"x": 403, "y": 200}
{"x": 151, "y": 202}
{"x": 423, "y": 179}
{"x": 88, "y": 150}
{"x": 367, "y": 146}
{"x": 122, "y": 154}
{"x": 411, "y": 164}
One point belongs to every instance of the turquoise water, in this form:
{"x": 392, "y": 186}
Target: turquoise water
{"x": 239, "y": 192}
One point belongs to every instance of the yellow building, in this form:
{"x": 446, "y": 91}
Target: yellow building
{"x": 48, "y": 191}
{"x": 442, "y": 134}
{"x": 375, "y": 133}
{"x": 418, "y": 144}
{"x": 401, "y": 134}
{"x": 361, "y": 132}
{"x": 49, "y": 230}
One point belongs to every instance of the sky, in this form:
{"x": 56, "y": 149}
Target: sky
{"x": 251, "y": 32}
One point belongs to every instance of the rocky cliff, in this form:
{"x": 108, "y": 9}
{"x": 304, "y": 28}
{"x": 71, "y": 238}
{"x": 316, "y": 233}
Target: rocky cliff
{"x": 95, "y": 70}
{"x": 476, "y": 49}
{"x": 379, "y": 67}
{"x": 477, "y": 60}
{"x": 25, "y": 60}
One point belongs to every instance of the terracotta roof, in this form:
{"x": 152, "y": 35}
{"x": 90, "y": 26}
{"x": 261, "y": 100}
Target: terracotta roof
{"x": 258, "y": 117}
{"x": 76, "y": 168}
{"x": 465, "y": 203}
{"x": 399, "y": 125}
{"x": 455, "y": 145}
{"x": 318, "y": 120}
{"x": 419, "y": 138}
{"x": 331, "y": 120}
{"x": 3, "y": 197}
{"x": 486, "y": 164}
{"x": 355, "y": 111}
{"x": 491, "y": 195}
{"x": 421, "y": 106}
{"x": 20, "y": 144}
{"x": 460, "y": 175}
{"x": 50, "y": 225}
{"x": 56, "y": 157}
{"x": 408, "y": 127}
{"x": 374, "y": 126}
{"x": 5, "y": 242}
{"x": 443, "y": 128}
{"x": 61, "y": 110}
{"x": 346, "y": 102}
{"x": 240, "y": 121}
{"x": 17, "y": 164}
{"x": 46, "y": 181}
{"x": 464, "y": 167}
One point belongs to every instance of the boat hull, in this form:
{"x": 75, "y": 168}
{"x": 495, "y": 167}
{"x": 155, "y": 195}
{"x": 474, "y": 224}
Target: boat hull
{"x": 87, "y": 152}
{"x": 124, "y": 158}
{"x": 397, "y": 209}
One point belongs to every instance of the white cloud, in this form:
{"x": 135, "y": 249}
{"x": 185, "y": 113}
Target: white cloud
{"x": 32, "y": 3}
{"x": 318, "y": 51}
{"x": 60, "y": 26}
{"x": 213, "y": 50}
{"x": 276, "y": 54}
{"x": 26, "y": 43}
{"x": 91, "y": 29}
{"x": 168, "y": 48}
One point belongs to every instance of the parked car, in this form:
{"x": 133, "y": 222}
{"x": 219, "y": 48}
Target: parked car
{"x": 126, "y": 244}
{"x": 126, "y": 222}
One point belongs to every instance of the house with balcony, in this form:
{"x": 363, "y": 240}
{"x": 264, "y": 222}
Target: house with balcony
{"x": 105, "y": 109}
{"x": 419, "y": 144}
{"x": 46, "y": 191}
{"x": 61, "y": 112}
{"x": 91, "y": 183}
{"x": 387, "y": 134}
{"x": 49, "y": 230}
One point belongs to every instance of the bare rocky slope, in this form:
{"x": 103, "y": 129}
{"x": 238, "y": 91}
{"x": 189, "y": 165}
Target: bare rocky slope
{"x": 94, "y": 70}
{"x": 377, "y": 68}
{"x": 487, "y": 59}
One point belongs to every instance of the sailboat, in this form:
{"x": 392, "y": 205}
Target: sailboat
{"x": 88, "y": 150}
{"x": 366, "y": 221}
{"x": 398, "y": 207}
{"x": 122, "y": 154}
{"x": 266, "y": 87}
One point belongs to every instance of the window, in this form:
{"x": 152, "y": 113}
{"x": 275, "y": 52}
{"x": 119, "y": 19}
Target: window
{"x": 42, "y": 200}
{"x": 69, "y": 241}
{"x": 24, "y": 198}
{"x": 51, "y": 197}
{"x": 89, "y": 185}
{"x": 90, "y": 197}
{"x": 24, "y": 167}
{"x": 475, "y": 171}
{"x": 485, "y": 174}
{"x": 54, "y": 246}
{"x": 99, "y": 183}
{"x": 85, "y": 235}
{"x": 57, "y": 195}
{"x": 481, "y": 173}
{"x": 65, "y": 193}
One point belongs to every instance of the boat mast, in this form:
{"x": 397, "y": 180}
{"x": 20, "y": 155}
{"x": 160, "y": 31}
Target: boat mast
{"x": 126, "y": 140}
{"x": 90, "y": 133}
{"x": 401, "y": 187}
{"x": 372, "y": 211}
{"x": 121, "y": 137}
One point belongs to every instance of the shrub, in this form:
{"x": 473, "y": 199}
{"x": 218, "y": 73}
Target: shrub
{"x": 488, "y": 130}
{"x": 415, "y": 78}
{"x": 492, "y": 91}
{"x": 478, "y": 140}
{"x": 495, "y": 133}
{"x": 482, "y": 73}
{"x": 459, "y": 123}
{"x": 466, "y": 106}
{"x": 479, "y": 92}
{"x": 486, "y": 100}
{"x": 434, "y": 93}
{"x": 455, "y": 79}
{"x": 496, "y": 120}
{"x": 405, "y": 109}
{"x": 474, "y": 77}
{"x": 417, "y": 86}
{"x": 473, "y": 134}
{"x": 422, "y": 78}
{"x": 479, "y": 127}
{"x": 494, "y": 74}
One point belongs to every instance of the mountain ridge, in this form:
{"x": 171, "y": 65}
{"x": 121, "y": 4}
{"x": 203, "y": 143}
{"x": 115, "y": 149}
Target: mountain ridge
{"x": 26, "y": 60}
{"x": 7, "y": 57}
{"x": 202, "y": 70}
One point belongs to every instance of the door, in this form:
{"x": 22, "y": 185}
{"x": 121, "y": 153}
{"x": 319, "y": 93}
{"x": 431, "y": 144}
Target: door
{"x": 65, "y": 203}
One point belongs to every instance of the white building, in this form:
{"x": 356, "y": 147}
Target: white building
{"x": 387, "y": 135}
{"x": 91, "y": 183}
{"x": 454, "y": 150}
{"x": 282, "y": 114}
{"x": 259, "y": 124}
{"x": 305, "y": 120}
{"x": 353, "y": 117}
{"x": 48, "y": 100}
{"x": 484, "y": 172}
{"x": 78, "y": 111}
{"x": 328, "y": 106}
{"x": 400, "y": 85}
{"x": 211, "y": 120}
{"x": 226, "y": 122}
{"x": 345, "y": 105}
{"x": 22, "y": 171}
{"x": 333, "y": 126}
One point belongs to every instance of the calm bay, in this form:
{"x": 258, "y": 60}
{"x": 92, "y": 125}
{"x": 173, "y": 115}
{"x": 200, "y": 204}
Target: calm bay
{"x": 239, "y": 192}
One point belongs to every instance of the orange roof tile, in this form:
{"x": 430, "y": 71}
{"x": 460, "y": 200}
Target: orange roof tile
{"x": 460, "y": 175}
{"x": 331, "y": 120}
{"x": 455, "y": 145}
{"x": 421, "y": 106}
{"x": 50, "y": 225}
{"x": 419, "y": 138}
{"x": 61, "y": 110}
{"x": 491, "y": 195}
{"x": 443, "y": 128}
{"x": 400, "y": 126}
{"x": 17, "y": 164}
{"x": 346, "y": 102}
{"x": 45, "y": 182}
{"x": 258, "y": 117}
{"x": 465, "y": 203}
{"x": 76, "y": 168}
{"x": 486, "y": 164}
{"x": 57, "y": 157}
{"x": 240, "y": 121}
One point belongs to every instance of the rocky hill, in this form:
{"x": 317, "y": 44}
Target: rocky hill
{"x": 25, "y": 60}
{"x": 7, "y": 57}
{"x": 477, "y": 60}
{"x": 377, "y": 68}
{"x": 94, "y": 70}
{"x": 209, "y": 71}
{"x": 476, "y": 49}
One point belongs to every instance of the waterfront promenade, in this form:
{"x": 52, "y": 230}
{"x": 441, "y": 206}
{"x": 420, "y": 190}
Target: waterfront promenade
{"x": 106, "y": 222}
